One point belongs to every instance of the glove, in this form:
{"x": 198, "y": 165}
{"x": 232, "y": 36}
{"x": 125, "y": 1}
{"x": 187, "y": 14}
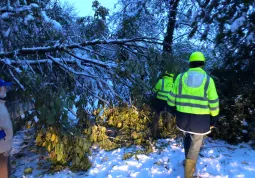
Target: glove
{"x": 2, "y": 134}
{"x": 214, "y": 120}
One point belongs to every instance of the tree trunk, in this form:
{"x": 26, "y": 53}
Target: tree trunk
{"x": 168, "y": 40}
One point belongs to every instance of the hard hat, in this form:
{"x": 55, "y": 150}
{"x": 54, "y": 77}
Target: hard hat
{"x": 169, "y": 74}
{"x": 197, "y": 56}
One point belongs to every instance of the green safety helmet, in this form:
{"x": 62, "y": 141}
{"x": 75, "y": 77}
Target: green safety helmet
{"x": 169, "y": 74}
{"x": 197, "y": 56}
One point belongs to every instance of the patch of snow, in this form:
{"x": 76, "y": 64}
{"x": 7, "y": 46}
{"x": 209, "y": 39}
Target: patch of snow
{"x": 55, "y": 24}
{"x": 217, "y": 159}
{"x": 36, "y": 119}
{"x": 237, "y": 23}
{"x": 33, "y": 5}
{"x": 134, "y": 13}
{"x": 6, "y": 34}
{"x": 244, "y": 123}
{"x": 5, "y": 16}
{"x": 18, "y": 70}
{"x": 238, "y": 98}
{"x": 7, "y": 61}
{"x": 194, "y": 16}
{"x": 17, "y": 142}
{"x": 250, "y": 39}
{"x": 22, "y": 116}
{"x": 71, "y": 115}
{"x": 28, "y": 18}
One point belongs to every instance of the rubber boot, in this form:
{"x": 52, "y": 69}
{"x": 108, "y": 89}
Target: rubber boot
{"x": 190, "y": 166}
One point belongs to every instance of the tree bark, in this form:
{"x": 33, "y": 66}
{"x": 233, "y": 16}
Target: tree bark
{"x": 168, "y": 40}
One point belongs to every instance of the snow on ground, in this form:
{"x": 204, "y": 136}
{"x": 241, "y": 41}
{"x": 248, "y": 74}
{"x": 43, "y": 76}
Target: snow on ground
{"x": 217, "y": 159}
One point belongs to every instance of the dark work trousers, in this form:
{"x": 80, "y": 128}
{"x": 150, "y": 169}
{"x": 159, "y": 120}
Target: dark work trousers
{"x": 155, "y": 133}
{"x": 192, "y": 145}
{"x": 158, "y": 106}
{"x": 4, "y": 166}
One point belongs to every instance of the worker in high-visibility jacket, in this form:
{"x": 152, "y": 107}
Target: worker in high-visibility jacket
{"x": 194, "y": 101}
{"x": 161, "y": 89}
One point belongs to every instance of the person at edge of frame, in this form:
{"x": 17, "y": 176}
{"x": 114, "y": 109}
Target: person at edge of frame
{"x": 6, "y": 132}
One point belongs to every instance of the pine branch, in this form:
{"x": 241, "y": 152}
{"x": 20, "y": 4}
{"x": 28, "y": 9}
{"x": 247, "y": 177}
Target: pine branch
{"x": 16, "y": 80}
{"x": 20, "y": 9}
{"x": 43, "y": 50}
{"x": 92, "y": 61}
{"x": 91, "y": 92}
{"x": 70, "y": 69}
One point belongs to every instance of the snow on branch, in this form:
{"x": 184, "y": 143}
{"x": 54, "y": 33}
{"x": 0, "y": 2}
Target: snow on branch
{"x": 16, "y": 80}
{"x": 18, "y": 9}
{"x": 91, "y": 92}
{"x": 59, "y": 61}
{"x": 92, "y": 61}
{"x": 42, "y": 50}
{"x": 28, "y": 61}
{"x": 70, "y": 69}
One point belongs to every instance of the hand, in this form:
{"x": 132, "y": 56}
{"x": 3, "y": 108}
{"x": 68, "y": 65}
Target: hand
{"x": 213, "y": 121}
{"x": 2, "y": 134}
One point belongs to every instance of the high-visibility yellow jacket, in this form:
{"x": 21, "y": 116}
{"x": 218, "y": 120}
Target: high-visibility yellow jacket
{"x": 163, "y": 87}
{"x": 194, "y": 92}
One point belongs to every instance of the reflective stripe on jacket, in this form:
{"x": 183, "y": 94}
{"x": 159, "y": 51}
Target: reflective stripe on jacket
{"x": 194, "y": 92}
{"x": 163, "y": 87}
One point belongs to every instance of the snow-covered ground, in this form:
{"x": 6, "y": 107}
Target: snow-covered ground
{"x": 217, "y": 159}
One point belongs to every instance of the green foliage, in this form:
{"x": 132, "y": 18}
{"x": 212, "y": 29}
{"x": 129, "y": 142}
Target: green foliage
{"x": 123, "y": 126}
{"x": 98, "y": 135}
{"x": 49, "y": 95}
{"x": 131, "y": 154}
{"x": 65, "y": 150}
{"x": 29, "y": 33}
{"x": 237, "y": 121}
{"x": 84, "y": 119}
{"x": 93, "y": 27}
{"x": 28, "y": 171}
{"x": 100, "y": 11}
{"x": 237, "y": 98}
